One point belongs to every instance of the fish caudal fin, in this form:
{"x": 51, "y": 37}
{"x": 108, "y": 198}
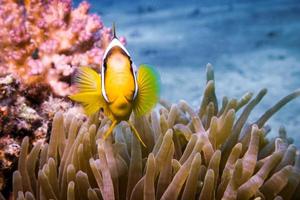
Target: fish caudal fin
{"x": 148, "y": 90}
{"x": 136, "y": 133}
{"x": 88, "y": 83}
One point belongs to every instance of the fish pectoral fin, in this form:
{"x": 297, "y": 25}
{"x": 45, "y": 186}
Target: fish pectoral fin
{"x": 110, "y": 130}
{"x": 87, "y": 80}
{"x": 89, "y": 95}
{"x": 148, "y": 81}
{"x": 136, "y": 133}
{"x": 91, "y": 101}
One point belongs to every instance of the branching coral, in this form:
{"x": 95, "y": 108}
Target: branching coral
{"x": 44, "y": 41}
{"x": 208, "y": 154}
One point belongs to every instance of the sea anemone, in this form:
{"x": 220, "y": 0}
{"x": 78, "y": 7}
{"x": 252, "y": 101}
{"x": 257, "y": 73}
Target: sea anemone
{"x": 205, "y": 154}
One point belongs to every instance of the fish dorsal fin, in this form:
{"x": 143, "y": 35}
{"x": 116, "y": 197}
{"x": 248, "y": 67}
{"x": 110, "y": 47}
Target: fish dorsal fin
{"x": 149, "y": 90}
{"x": 114, "y": 30}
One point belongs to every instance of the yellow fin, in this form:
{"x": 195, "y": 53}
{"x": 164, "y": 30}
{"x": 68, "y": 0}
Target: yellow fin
{"x": 87, "y": 80}
{"x": 88, "y": 83}
{"x": 110, "y": 130}
{"x": 136, "y": 133}
{"x": 91, "y": 101}
{"x": 148, "y": 90}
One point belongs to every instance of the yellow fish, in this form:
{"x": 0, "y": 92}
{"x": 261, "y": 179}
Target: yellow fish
{"x": 120, "y": 89}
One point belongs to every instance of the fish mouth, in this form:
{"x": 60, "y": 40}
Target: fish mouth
{"x": 121, "y": 108}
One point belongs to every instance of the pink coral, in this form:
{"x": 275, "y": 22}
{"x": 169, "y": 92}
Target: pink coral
{"x": 44, "y": 41}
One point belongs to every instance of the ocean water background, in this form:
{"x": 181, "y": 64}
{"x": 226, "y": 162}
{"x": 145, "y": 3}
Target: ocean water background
{"x": 251, "y": 44}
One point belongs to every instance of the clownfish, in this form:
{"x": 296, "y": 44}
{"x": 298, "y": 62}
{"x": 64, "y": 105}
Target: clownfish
{"x": 120, "y": 89}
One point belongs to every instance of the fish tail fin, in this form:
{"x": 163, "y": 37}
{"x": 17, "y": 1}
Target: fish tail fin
{"x": 89, "y": 95}
{"x": 136, "y": 133}
{"x": 149, "y": 90}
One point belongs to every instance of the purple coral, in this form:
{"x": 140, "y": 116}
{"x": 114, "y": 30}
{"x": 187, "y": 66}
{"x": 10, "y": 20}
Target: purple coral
{"x": 44, "y": 41}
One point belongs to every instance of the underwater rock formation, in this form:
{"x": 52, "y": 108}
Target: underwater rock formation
{"x": 212, "y": 153}
{"x": 44, "y": 41}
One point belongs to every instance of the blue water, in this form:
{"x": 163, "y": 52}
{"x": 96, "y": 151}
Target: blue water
{"x": 252, "y": 45}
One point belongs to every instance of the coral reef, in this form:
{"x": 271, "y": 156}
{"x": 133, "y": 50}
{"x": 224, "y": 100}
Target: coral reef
{"x": 207, "y": 154}
{"x": 44, "y": 41}
{"x": 20, "y": 116}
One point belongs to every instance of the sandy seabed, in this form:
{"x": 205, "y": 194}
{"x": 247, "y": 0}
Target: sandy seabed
{"x": 252, "y": 45}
